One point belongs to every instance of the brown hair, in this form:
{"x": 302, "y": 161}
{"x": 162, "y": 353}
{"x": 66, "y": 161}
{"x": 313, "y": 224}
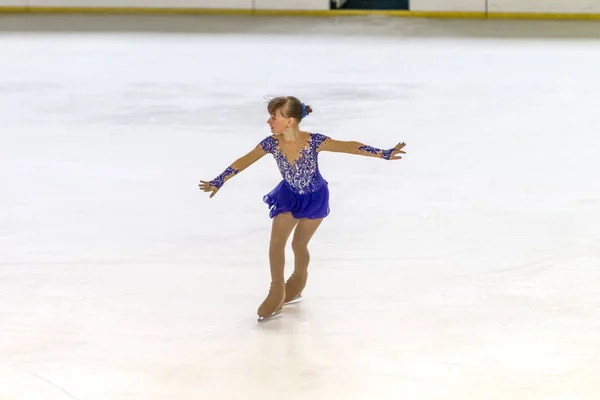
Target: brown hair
{"x": 290, "y": 107}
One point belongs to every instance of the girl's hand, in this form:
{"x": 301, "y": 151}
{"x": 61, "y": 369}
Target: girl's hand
{"x": 207, "y": 187}
{"x": 395, "y": 151}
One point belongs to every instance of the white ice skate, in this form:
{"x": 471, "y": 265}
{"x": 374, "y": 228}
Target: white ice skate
{"x": 294, "y": 300}
{"x": 270, "y": 317}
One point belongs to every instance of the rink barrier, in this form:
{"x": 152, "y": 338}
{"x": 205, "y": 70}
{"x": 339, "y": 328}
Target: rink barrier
{"x": 308, "y": 13}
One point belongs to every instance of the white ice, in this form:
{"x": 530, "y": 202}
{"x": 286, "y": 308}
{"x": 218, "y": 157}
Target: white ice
{"x": 468, "y": 270}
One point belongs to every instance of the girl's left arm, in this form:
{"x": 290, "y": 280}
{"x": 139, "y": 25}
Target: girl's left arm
{"x": 361, "y": 149}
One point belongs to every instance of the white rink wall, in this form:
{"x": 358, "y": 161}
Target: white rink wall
{"x": 545, "y": 6}
{"x": 509, "y": 6}
{"x": 491, "y": 7}
{"x": 170, "y": 4}
{"x": 448, "y": 5}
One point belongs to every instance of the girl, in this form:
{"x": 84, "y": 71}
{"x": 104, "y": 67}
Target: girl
{"x": 300, "y": 200}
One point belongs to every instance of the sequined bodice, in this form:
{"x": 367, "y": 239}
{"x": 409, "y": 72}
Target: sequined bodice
{"x": 302, "y": 175}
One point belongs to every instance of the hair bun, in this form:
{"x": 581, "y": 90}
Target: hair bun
{"x": 308, "y": 109}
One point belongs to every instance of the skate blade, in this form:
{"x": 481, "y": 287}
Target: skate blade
{"x": 294, "y": 300}
{"x": 270, "y": 317}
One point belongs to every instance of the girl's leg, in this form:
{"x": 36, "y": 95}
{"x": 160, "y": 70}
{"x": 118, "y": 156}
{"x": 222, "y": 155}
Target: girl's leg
{"x": 282, "y": 227}
{"x": 303, "y": 234}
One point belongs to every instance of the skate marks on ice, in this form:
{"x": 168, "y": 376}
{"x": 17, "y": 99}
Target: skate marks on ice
{"x": 36, "y": 384}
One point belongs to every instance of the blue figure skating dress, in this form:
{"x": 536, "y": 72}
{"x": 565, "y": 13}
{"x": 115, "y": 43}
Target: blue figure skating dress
{"x": 303, "y": 191}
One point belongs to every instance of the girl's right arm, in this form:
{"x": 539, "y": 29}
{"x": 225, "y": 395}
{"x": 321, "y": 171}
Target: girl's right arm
{"x": 235, "y": 168}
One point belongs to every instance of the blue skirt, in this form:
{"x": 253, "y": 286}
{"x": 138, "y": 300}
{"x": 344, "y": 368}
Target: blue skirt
{"x": 312, "y": 205}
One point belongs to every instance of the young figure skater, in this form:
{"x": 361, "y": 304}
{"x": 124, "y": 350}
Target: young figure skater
{"x": 300, "y": 200}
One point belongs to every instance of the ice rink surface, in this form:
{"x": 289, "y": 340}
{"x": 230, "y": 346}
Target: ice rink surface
{"x": 468, "y": 270}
